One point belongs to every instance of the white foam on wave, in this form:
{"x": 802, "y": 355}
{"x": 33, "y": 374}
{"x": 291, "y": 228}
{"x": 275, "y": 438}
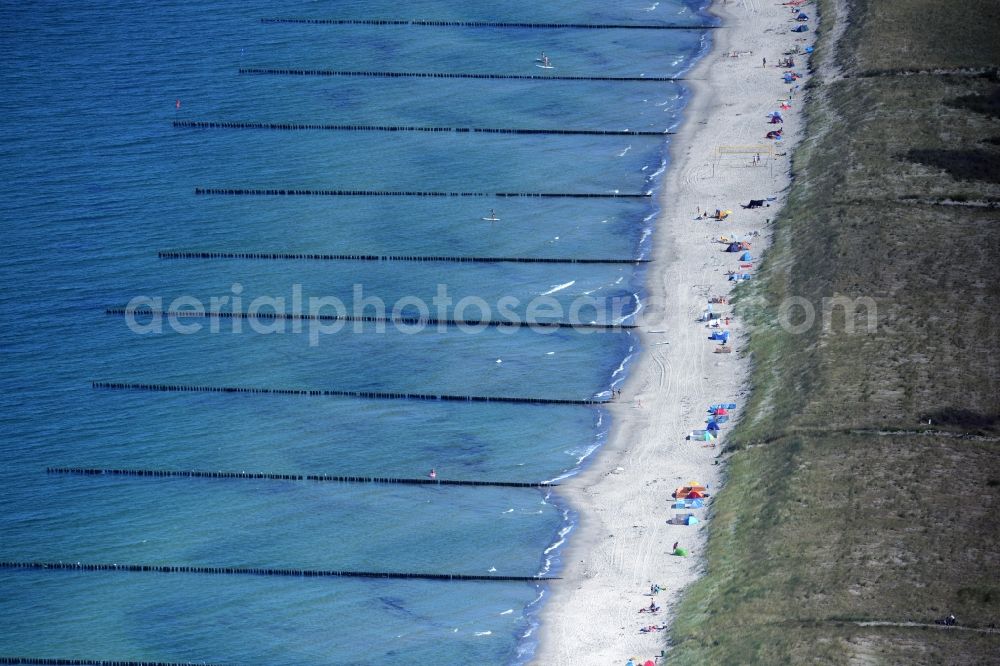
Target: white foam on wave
{"x": 587, "y": 452}
{"x": 651, "y": 8}
{"x": 622, "y": 154}
{"x": 638, "y": 308}
{"x": 508, "y": 611}
{"x": 483, "y": 633}
{"x": 560, "y": 540}
{"x": 655, "y": 174}
{"x": 558, "y": 287}
{"x": 621, "y": 367}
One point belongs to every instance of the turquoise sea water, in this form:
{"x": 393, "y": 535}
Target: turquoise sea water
{"x": 96, "y": 180}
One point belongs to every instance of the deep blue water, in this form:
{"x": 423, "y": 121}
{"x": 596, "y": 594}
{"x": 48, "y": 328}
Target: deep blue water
{"x": 95, "y": 181}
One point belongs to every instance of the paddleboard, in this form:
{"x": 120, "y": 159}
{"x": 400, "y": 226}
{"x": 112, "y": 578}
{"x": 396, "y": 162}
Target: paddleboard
{"x": 491, "y": 219}
{"x": 545, "y": 66}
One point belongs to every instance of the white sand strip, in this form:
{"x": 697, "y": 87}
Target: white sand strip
{"x": 623, "y": 542}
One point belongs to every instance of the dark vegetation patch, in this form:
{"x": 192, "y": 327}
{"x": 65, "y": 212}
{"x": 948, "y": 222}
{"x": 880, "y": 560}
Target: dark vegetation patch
{"x": 988, "y": 104}
{"x": 965, "y": 418}
{"x": 961, "y": 164}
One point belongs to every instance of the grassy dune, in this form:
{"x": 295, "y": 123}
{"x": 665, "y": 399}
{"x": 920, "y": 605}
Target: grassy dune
{"x": 843, "y": 505}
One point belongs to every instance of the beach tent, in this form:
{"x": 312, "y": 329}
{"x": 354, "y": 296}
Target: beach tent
{"x": 680, "y": 552}
{"x": 746, "y": 257}
{"x": 800, "y": 28}
{"x": 720, "y": 411}
{"x": 788, "y": 76}
{"x": 734, "y": 247}
{"x": 712, "y": 425}
{"x": 695, "y": 504}
{"x": 694, "y": 486}
{"x": 683, "y": 519}
{"x": 802, "y": 16}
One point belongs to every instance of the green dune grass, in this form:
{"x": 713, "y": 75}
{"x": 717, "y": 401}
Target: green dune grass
{"x": 863, "y": 481}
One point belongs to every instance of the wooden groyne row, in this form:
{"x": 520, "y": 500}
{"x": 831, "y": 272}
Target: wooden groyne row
{"x": 203, "y": 474}
{"x": 377, "y": 395}
{"x": 372, "y": 319}
{"x": 491, "y": 24}
{"x": 392, "y": 193}
{"x": 295, "y": 256}
{"x": 211, "y": 124}
{"x": 264, "y": 571}
{"x": 450, "y": 75}
{"x": 50, "y": 661}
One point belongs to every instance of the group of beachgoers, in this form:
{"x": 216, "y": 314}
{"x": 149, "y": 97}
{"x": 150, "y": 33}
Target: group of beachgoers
{"x": 719, "y": 322}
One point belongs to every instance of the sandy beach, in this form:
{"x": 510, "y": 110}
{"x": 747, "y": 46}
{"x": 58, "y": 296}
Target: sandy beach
{"x": 623, "y": 543}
